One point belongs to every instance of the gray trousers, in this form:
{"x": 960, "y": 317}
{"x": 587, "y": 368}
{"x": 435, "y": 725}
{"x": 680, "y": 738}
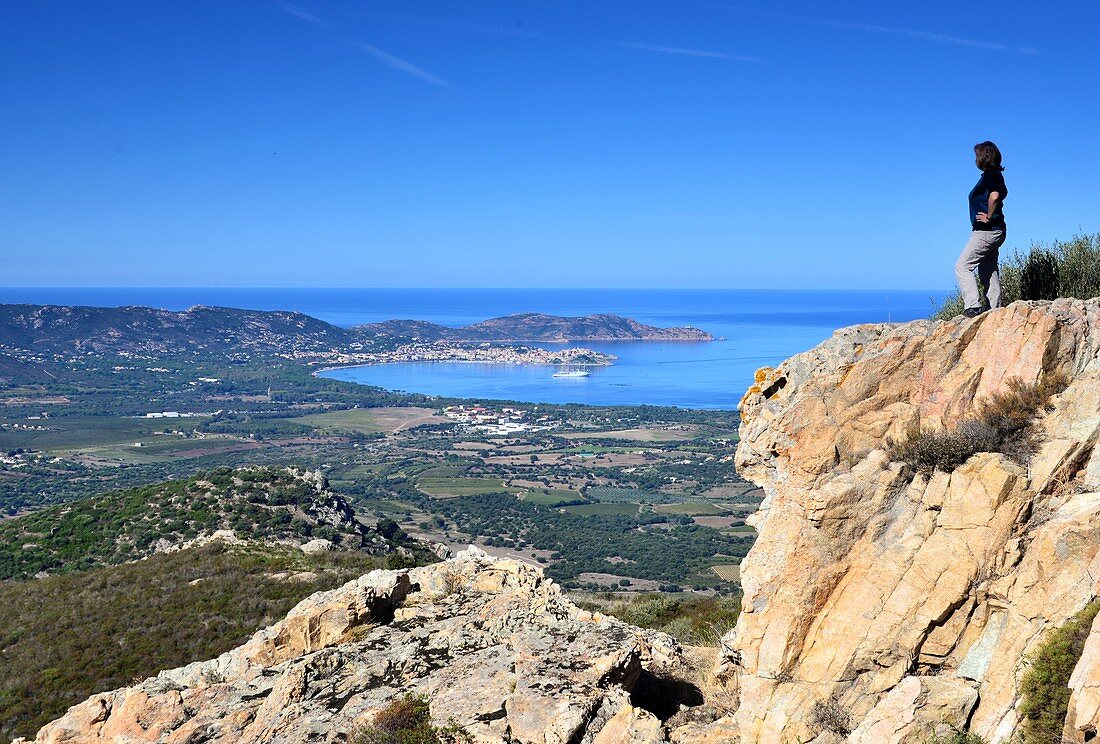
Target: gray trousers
{"x": 981, "y": 253}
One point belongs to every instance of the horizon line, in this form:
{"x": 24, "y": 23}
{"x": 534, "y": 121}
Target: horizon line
{"x": 459, "y": 288}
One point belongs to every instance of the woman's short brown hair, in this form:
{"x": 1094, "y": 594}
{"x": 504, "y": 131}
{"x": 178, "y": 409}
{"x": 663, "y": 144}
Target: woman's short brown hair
{"x": 989, "y": 157}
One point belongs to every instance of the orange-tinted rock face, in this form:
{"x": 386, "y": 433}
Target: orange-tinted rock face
{"x": 866, "y": 580}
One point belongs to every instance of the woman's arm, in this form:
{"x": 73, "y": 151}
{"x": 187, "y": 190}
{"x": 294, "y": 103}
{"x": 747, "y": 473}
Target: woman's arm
{"x": 994, "y": 201}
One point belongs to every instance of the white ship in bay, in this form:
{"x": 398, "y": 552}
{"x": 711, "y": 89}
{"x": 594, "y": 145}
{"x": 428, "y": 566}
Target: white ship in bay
{"x": 571, "y": 373}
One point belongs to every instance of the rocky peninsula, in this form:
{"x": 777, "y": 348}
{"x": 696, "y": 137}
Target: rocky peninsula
{"x": 887, "y": 600}
{"x": 538, "y": 327}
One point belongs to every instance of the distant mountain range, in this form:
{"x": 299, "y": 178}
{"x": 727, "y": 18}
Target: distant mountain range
{"x": 56, "y": 328}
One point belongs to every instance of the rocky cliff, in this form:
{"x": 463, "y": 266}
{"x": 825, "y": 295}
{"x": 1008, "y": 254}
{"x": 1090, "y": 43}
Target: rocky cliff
{"x": 906, "y": 600}
{"x": 882, "y": 602}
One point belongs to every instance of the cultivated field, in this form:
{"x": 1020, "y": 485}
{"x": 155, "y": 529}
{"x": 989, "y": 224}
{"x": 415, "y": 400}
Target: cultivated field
{"x": 730, "y": 572}
{"x": 677, "y": 434}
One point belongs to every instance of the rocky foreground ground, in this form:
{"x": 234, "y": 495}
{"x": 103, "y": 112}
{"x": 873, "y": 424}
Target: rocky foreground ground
{"x": 901, "y": 604}
{"x": 493, "y": 645}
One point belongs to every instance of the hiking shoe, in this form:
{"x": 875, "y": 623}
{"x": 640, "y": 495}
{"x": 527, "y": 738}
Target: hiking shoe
{"x": 972, "y": 312}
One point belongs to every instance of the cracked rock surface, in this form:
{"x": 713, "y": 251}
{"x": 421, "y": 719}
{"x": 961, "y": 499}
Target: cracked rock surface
{"x": 494, "y": 646}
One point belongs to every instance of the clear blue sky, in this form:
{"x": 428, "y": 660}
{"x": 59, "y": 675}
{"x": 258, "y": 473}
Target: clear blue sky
{"x": 549, "y": 144}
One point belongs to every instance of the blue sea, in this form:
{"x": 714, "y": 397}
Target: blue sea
{"x": 752, "y": 328}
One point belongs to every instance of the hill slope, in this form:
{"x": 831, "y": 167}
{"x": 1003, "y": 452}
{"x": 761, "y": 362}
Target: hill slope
{"x": 154, "y": 332}
{"x": 260, "y": 504}
{"x": 66, "y": 637}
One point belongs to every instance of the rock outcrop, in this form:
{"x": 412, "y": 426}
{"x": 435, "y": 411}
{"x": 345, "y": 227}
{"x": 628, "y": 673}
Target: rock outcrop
{"x": 494, "y": 646}
{"x": 911, "y": 601}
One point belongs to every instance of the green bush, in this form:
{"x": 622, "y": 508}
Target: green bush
{"x": 1044, "y": 689}
{"x": 1063, "y": 269}
{"x": 1039, "y": 276}
{"x": 1004, "y": 423}
{"x": 697, "y": 621}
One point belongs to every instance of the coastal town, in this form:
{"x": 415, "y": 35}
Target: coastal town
{"x": 484, "y": 353}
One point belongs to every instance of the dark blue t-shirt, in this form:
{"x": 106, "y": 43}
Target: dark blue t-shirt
{"x": 979, "y": 200}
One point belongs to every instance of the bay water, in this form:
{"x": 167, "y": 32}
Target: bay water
{"x": 752, "y": 328}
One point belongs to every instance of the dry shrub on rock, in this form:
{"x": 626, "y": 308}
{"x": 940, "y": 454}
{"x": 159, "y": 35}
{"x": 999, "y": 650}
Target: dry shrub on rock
{"x": 829, "y": 715}
{"x": 1004, "y": 423}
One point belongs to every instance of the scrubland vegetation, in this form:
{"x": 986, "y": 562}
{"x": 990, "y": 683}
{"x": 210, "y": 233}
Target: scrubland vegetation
{"x": 260, "y": 503}
{"x": 1044, "y": 688}
{"x": 66, "y": 637}
{"x": 1044, "y": 272}
{"x": 697, "y": 621}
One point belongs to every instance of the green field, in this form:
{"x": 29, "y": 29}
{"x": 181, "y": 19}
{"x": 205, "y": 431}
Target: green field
{"x": 116, "y": 438}
{"x": 641, "y": 435}
{"x": 447, "y": 470}
{"x": 691, "y": 509}
{"x": 355, "y": 420}
{"x": 86, "y": 431}
{"x": 161, "y": 448}
{"x": 603, "y": 509}
{"x": 442, "y": 487}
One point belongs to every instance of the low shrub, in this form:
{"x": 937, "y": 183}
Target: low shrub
{"x": 1004, "y": 423}
{"x": 1039, "y": 276}
{"x": 830, "y": 715}
{"x": 1044, "y": 688}
{"x": 407, "y": 720}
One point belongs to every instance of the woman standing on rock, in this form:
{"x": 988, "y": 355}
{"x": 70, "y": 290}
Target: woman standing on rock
{"x": 987, "y": 235}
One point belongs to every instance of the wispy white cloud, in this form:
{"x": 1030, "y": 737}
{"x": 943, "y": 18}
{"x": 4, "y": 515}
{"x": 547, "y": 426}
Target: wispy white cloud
{"x": 402, "y": 65}
{"x": 685, "y": 52}
{"x": 301, "y": 14}
{"x": 476, "y": 28}
{"x": 911, "y": 33}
